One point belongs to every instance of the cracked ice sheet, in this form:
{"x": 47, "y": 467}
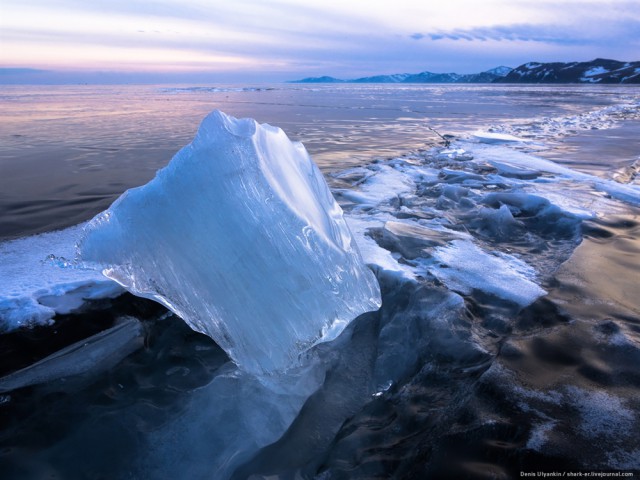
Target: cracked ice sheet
{"x": 464, "y": 267}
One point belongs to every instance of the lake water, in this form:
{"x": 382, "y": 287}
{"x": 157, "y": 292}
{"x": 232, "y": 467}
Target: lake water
{"x": 68, "y": 151}
{"x": 509, "y": 336}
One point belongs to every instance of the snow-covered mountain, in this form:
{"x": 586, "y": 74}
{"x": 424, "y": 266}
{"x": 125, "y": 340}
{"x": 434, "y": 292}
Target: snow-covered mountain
{"x": 599, "y": 70}
{"x": 396, "y": 78}
{"x": 423, "y": 77}
{"x": 323, "y": 79}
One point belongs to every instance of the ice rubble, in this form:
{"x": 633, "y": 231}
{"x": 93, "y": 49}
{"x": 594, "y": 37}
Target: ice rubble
{"x": 545, "y": 128}
{"x": 476, "y": 216}
{"x": 241, "y": 237}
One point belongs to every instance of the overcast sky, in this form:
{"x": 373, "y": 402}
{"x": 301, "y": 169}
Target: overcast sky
{"x": 275, "y": 40}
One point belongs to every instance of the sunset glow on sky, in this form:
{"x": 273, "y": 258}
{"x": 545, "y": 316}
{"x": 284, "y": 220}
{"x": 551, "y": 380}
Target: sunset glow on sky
{"x": 287, "y": 39}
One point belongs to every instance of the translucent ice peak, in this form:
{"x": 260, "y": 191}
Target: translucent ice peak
{"x": 241, "y": 237}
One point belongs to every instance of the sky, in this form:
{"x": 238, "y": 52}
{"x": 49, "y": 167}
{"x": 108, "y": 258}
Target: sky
{"x": 279, "y": 40}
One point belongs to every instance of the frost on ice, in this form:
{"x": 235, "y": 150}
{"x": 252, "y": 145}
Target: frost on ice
{"x": 240, "y": 236}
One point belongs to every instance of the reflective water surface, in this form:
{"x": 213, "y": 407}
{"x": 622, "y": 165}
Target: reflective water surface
{"x": 66, "y": 152}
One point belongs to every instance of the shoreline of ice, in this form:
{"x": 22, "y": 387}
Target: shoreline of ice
{"x": 547, "y": 128}
{"x": 493, "y": 160}
{"x": 36, "y": 289}
{"x": 447, "y": 230}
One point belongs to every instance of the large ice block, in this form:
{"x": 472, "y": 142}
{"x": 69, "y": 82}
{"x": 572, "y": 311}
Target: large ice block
{"x": 241, "y": 237}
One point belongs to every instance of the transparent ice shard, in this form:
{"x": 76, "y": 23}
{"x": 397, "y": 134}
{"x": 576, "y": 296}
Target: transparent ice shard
{"x": 241, "y": 237}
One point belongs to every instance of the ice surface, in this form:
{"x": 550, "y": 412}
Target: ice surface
{"x": 240, "y": 236}
{"x": 178, "y": 90}
{"x": 33, "y": 290}
{"x": 411, "y": 239}
{"x": 478, "y": 217}
{"x": 372, "y": 253}
{"x": 464, "y": 267}
{"x": 383, "y": 183}
{"x": 546, "y": 128}
{"x": 505, "y": 160}
{"x": 438, "y": 227}
{"x": 442, "y": 215}
{"x": 602, "y": 414}
{"x": 97, "y": 353}
{"x": 496, "y": 138}
{"x": 226, "y": 422}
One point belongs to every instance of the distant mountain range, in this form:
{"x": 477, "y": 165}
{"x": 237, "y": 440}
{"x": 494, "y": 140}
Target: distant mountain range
{"x": 423, "y": 77}
{"x": 596, "y": 71}
{"x": 599, "y": 70}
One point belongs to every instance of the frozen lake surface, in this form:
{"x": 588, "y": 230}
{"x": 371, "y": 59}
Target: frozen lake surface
{"x": 509, "y": 334}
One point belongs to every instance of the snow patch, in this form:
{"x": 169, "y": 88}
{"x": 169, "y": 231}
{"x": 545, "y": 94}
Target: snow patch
{"x": 35, "y": 286}
{"x": 592, "y": 72}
